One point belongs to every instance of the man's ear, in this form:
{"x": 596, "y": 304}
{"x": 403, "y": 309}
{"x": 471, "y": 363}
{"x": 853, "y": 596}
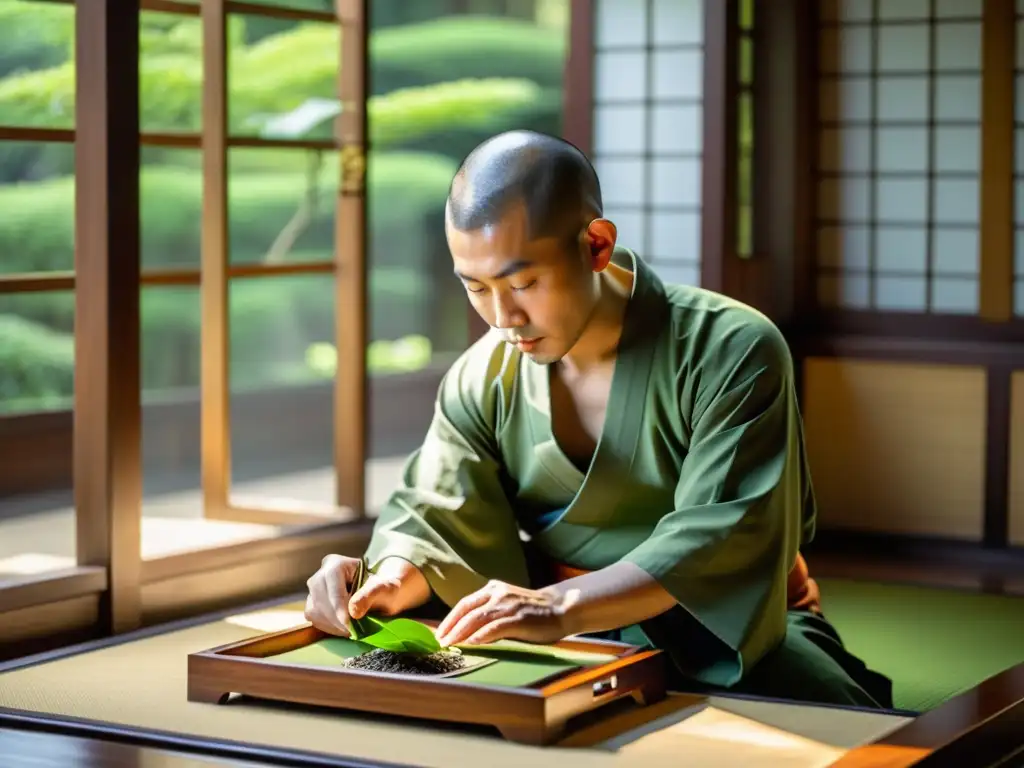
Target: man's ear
{"x": 600, "y": 237}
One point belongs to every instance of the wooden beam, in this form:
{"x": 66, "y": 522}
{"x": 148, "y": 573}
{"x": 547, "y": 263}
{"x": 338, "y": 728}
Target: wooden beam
{"x": 578, "y": 78}
{"x": 52, "y": 587}
{"x": 215, "y": 392}
{"x": 107, "y": 413}
{"x": 999, "y": 30}
{"x": 719, "y": 267}
{"x": 350, "y": 393}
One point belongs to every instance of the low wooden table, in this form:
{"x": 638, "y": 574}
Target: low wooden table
{"x": 74, "y": 693}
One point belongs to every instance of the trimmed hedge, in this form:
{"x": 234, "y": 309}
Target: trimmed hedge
{"x": 37, "y": 228}
{"x": 273, "y": 320}
{"x": 278, "y": 73}
{"x": 424, "y": 116}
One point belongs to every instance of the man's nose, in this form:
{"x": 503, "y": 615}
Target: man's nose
{"x": 506, "y": 313}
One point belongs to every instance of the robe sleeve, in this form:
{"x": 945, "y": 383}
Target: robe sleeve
{"x": 450, "y": 515}
{"x": 725, "y": 549}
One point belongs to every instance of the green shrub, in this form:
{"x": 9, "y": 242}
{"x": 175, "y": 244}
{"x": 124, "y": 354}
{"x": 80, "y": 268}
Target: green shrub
{"x": 273, "y": 323}
{"x": 456, "y": 47}
{"x": 34, "y": 35}
{"x": 36, "y": 365}
{"x": 276, "y": 74}
{"x": 37, "y": 226}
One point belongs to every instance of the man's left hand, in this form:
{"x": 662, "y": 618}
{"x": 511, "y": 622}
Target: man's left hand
{"x": 504, "y": 611}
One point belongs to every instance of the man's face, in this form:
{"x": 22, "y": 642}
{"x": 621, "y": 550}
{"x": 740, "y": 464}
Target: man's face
{"x": 539, "y": 293}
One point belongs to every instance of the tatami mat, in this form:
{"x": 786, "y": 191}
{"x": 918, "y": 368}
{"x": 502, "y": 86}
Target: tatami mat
{"x": 142, "y": 684}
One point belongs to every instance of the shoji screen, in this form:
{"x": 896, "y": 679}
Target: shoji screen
{"x": 648, "y": 77}
{"x": 899, "y": 160}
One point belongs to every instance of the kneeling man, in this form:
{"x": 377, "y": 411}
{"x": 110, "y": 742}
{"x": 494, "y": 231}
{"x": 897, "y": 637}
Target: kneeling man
{"x": 616, "y": 456}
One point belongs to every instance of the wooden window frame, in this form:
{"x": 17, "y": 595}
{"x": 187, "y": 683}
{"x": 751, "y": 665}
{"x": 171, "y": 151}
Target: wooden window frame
{"x": 995, "y": 322}
{"x": 113, "y": 589}
{"x": 719, "y": 261}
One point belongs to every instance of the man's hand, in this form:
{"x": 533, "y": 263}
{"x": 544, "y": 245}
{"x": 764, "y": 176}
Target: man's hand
{"x": 503, "y": 611}
{"x": 396, "y": 587}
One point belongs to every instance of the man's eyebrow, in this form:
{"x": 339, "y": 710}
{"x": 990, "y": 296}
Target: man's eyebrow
{"x": 516, "y": 266}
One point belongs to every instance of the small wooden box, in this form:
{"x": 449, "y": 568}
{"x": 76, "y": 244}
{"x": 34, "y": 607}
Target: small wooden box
{"x": 531, "y": 714}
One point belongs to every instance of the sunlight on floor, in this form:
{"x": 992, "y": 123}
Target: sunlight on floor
{"x": 271, "y": 620}
{"x": 33, "y": 563}
{"x": 172, "y": 523}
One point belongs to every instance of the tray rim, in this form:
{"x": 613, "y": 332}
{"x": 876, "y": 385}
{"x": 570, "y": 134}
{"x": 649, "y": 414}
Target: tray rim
{"x": 544, "y": 689}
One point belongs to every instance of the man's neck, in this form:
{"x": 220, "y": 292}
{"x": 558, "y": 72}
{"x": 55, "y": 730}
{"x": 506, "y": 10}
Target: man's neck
{"x": 600, "y": 340}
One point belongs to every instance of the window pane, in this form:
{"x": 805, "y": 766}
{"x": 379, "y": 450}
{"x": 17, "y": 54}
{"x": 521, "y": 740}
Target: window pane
{"x": 37, "y": 207}
{"x": 173, "y": 514}
{"x": 171, "y": 72}
{"x": 37, "y": 68}
{"x": 898, "y": 189}
{"x": 419, "y": 315}
{"x": 37, "y": 519}
{"x": 282, "y": 368}
{"x": 283, "y": 77}
{"x": 170, "y": 348}
{"x": 281, "y": 205}
{"x": 170, "y": 207}
{"x": 37, "y": 351}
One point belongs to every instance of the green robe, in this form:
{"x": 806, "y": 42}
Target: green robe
{"x": 699, "y": 477}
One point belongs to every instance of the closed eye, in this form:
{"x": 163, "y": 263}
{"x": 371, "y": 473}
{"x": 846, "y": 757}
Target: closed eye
{"x": 523, "y": 288}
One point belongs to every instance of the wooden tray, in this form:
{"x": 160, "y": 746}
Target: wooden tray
{"x": 532, "y": 714}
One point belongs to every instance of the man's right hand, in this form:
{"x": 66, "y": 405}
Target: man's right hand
{"x": 396, "y": 587}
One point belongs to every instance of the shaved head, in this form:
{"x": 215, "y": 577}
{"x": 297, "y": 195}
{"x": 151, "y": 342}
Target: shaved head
{"x": 549, "y": 178}
{"x": 528, "y": 239}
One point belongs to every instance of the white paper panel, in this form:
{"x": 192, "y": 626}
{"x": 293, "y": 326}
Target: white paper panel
{"x": 958, "y": 46}
{"x": 677, "y": 128}
{"x": 901, "y": 200}
{"x": 959, "y": 9}
{"x": 901, "y": 249}
{"x": 648, "y": 126}
{"x": 903, "y": 9}
{"x": 901, "y": 294}
{"x": 903, "y": 48}
{"x": 955, "y": 251}
{"x": 678, "y": 22}
{"x": 902, "y": 150}
{"x": 908, "y": 150}
{"x": 957, "y": 149}
{"x": 901, "y": 97}
{"x": 620, "y": 23}
{"x": 955, "y": 295}
{"x": 681, "y": 273}
{"x": 620, "y": 75}
{"x": 619, "y": 129}
{"x": 622, "y": 180}
{"x": 675, "y": 236}
{"x": 957, "y": 201}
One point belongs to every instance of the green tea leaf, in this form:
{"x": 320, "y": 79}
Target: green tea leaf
{"x": 402, "y": 635}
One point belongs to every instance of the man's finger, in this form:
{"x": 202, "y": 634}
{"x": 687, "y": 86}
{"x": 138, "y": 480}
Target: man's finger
{"x": 457, "y": 613}
{"x": 499, "y": 629}
{"x": 321, "y": 610}
{"x": 474, "y": 621}
{"x": 376, "y": 594}
{"x": 336, "y": 587}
